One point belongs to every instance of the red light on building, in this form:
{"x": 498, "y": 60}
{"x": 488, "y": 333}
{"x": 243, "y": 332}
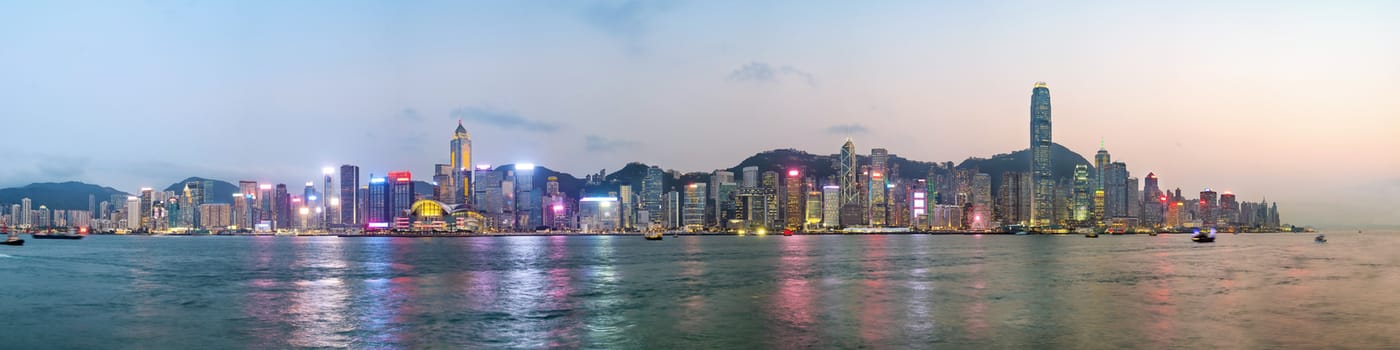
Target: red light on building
{"x": 401, "y": 176}
{"x": 793, "y": 173}
{"x": 1163, "y": 199}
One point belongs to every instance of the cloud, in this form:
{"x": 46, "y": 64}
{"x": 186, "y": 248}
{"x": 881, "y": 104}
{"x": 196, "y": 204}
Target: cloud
{"x": 626, "y": 20}
{"x": 760, "y": 72}
{"x": 594, "y": 143}
{"x": 409, "y": 114}
{"x": 847, "y": 129}
{"x": 503, "y": 119}
{"x": 61, "y": 167}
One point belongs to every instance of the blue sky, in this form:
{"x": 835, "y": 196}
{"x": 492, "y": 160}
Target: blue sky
{"x": 1250, "y": 96}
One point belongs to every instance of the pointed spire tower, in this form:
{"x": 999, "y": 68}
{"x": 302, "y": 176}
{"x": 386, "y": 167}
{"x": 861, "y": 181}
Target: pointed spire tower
{"x": 461, "y": 162}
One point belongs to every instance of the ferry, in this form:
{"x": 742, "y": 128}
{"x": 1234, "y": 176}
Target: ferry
{"x": 13, "y": 238}
{"x": 654, "y": 236}
{"x": 79, "y": 234}
{"x": 1202, "y": 237}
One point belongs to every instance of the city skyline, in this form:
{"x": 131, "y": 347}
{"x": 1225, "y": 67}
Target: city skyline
{"x": 1304, "y": 124}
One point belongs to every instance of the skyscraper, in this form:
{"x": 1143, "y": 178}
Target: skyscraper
{"x": 653, "y": 194}
{"x": 1116, "y": 190}
{"x": 527, "y": 212}
{"x": 1082, "y": 196}
{"x": 847, "y": 173}
{"x": 377, "y": 213}
{"x": 349, "y": 197}
{"x": 693, "y": 212}
{"x": 282, "y": 208}
{"x": 793, "y": 201}
{"x": 461, "y": 165}
{"x": 1101, "y": 162}
{"x": 1043, "y": 182}
{"x": 400, "y": 197}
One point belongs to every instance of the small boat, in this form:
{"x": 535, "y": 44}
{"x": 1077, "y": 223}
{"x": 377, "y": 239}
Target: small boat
{"x": 1202, "y": 237}
{"x": 1022, "y": 233}
{"x": 1152, "y": 233}
{"x": 787, "y": 232}
{"x": 654, "y": 236}
{"x": 1320, "y": 239}
{"x": 13, "y": 238}
{"x": 1092, "y": 234}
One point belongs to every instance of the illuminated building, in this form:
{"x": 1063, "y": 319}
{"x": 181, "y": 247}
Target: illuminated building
{"x": 1098, "y": 207}
{"x": 750, "y": 177}
{"x": 627, "y": 207}
{"x": 312, "y": 201}
{"x": 527, "y": 214}
{"x": 672, "y": 207}
{"x": 133, "y": 213}
{"x": 981, "y": 218}
{"x": 240, "y": 216}
{"x": 1082, "y": 186}
{"x": 377, "y": 203}
{"x": 1229, "y": 210}
{"x": 350, "y": 210}
{"x": 814, "y": 211}
{"x": 919, "y": 205}
{"x": 1134, "y": 199}
{"x": 1208, "y": 208}
{"x": 876, "y": 216}
{"x": 653, "y": 192}
{"x": 1042, "y": 179}
{"x": 326, "y": 218}
{"x": 443, "y": 189}
{"x": 147, "y": 203}
{"x": 400, "y": 198}
{"x": 693, "y": 213}
{"x": 249, "y": 191}
{"x": 769, "y": 182}
{"x": 847, "y": 173}
{"x": 1101, "y": 161}
{"x": 460, "y": 163}
{"x": 555, "y": 205}
{"x": 267, "y": 202}
{"x": 792, "y": 206}
{"x": 599, "y": 214}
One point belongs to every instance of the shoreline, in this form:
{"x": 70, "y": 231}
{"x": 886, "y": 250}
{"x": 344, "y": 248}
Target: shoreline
{"x": 639, "y": 234}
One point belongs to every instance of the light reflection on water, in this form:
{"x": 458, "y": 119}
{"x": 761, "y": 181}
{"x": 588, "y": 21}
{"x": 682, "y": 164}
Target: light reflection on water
{"x": 1264, "y": 291}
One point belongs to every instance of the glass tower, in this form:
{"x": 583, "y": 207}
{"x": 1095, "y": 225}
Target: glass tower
{"x": 1043, "y": 182}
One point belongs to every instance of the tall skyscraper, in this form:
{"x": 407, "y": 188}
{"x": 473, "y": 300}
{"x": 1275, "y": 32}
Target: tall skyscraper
{"x": 526, "y": 211}
{"x": 26, "y": 214}
{"x": 349, "y": 197}
{"x": 847, "y": 173}
{"x": 653, "y": 193}
{"x": 1043, "y": 182}
{"x": 693, "y": 213}
{"x": 282, "y": 217}
{"x": 1116, "y": 190}
{"x": 400, "y": 197}
{"x": 461, "y": 164}
{"x": 793, "y": 199}
{"x": 377, "y": 203}
{"x": 1101, "y": 162}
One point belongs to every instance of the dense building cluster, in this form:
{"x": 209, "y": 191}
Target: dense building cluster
{"x": 853, "y": 195}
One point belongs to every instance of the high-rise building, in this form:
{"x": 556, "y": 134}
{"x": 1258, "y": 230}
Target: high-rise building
{"x": 877, "y": 200}
{"x": 1082, "y": 188}
{"x": 377, "y": 203}
{"x": 793, "y": 199}
{"x": 769, "y": 182}
{"x": 26, "y": 214}
{"x": 400, "y": 197}
{"x": 653, "y": 192}
{"x": 282, "y": 217}
{"x": 1101, "y": 161}
{"x": 443, "y": 188}
{"x": 627, "y": 202}
{"x": 133, "y": 213}
{"x": 750, "y": 177}
{"x": 527, "y": 216}
{"x": 1043, "y": 182}
{"x": 349, "y": 196}
{"x": 1208, "y": 208}
{"x": 722, "y": 188}
{"x": 981, "y": 202}
{"x": 814, "y": 211}
{"x": 1229, "y": 210}
{"x": 850, "y": 194}
{"x": 461, "y": 162}
{"x": 831, "y": 206}
{"x": 1134, "y": 199}
{"x": 240, "y": 216}
{"x": 1116, "y": 190}
{"x": 1153, "y": 201}
{"x": 693, "y": 213}
{"x": 1008, "y": 199}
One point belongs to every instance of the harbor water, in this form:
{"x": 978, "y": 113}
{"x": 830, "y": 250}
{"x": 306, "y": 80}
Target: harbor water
{"x": 871, "y": 291}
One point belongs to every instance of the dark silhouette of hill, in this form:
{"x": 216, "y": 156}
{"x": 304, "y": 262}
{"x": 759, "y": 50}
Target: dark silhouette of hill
{"x": 70, "y": 195}
{"x": 1062, "y": 162}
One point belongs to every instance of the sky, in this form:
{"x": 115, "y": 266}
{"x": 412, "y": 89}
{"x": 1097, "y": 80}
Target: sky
{"x": 1290, "y": 100}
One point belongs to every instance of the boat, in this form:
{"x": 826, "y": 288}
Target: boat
{"x": 79, "y": 234}
{"x": 1152, "y": 233}
{"x": 1022, "y": 233}
{"x": 787, "y": 232}
{"x": 1202, "y": 237}
{"x": 654, "y": 236}
{"x": 1092, "y": 234}
{"x": 1320, "y": 239}
{"x": 13, "y": 238}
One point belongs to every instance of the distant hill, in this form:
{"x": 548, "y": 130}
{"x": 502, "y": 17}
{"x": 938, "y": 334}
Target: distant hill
{"x": 222, "y": 192}
{"x": 1062, "y": 162}
{"x": 70, "y": 195}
